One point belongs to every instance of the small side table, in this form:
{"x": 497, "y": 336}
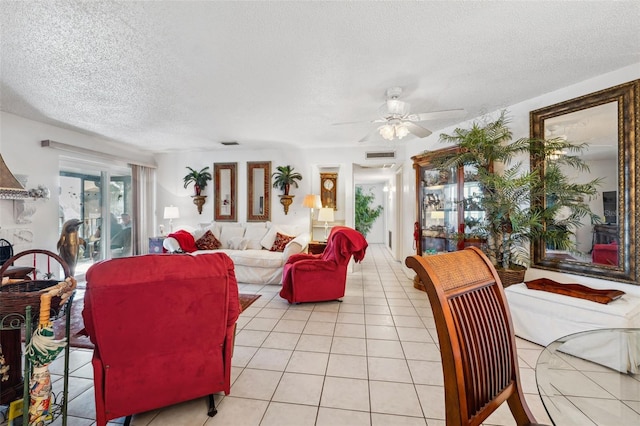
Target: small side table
{"x": 317, "y": 247}
{"x": 155, "y": 244}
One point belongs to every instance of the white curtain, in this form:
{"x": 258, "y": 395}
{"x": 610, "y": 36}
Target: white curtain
{"x": 144, "y": 201}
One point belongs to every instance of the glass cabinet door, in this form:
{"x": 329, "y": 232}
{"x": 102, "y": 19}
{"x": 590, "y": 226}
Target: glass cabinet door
{"x": 449, "y": 206}
{"x": 439, "y": 218}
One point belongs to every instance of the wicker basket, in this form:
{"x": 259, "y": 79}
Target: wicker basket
{"x": 515, "y": 275}
{"x": 16, "y": 296}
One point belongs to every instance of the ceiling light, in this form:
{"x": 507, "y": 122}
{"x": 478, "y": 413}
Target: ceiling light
{"x": 387, "y": 131}
{"x": 401, "y": 131}
{"x": 393, "y": 131}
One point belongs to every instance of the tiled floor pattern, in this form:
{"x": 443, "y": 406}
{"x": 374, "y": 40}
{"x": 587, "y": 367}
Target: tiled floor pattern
{"x": 371, "y": 359}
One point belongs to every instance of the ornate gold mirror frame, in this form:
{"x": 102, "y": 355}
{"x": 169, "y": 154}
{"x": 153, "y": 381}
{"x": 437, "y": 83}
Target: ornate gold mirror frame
{"x": 622, "y": 220}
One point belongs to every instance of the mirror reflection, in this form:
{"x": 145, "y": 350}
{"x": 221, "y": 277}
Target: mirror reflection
{"x": 257, "y": 207}
{"x": 258, "y": 191}
{"x": 598, "y": 128}
{"x": 606, "y": 122}
{"x": 225, "y": 191}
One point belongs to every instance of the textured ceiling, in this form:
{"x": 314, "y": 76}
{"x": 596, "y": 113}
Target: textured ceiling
{"x": 187, "y": 75}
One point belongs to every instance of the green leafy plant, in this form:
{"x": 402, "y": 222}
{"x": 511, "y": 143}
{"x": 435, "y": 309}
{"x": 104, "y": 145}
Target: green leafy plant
{"x": 200, "y": 179}
{"x": 365, "y": 214}
{"x": 512, "y": 219}
{"x": 284, "y": 177}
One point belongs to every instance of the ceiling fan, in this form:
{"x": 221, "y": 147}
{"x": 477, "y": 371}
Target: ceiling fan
{"x": 398, "y": 121}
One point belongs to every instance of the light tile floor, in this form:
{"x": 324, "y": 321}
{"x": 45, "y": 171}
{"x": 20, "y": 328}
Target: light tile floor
{"x": 370, "y": 360}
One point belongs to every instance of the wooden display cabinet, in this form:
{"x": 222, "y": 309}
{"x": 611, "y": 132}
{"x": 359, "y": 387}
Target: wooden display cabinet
{"x": 447, "y": 206}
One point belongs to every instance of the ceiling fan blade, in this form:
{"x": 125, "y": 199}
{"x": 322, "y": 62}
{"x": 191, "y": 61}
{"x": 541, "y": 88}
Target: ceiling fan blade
{"x": 369, "y": 137}
{"x": 419, "y": 131}
{"x": 379, "y": 120}
{"x": 437, "y": 115}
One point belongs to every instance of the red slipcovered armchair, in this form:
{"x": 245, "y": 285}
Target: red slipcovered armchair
{"x": 163, "y": 328}
{"x": 605, "y": 254}
{"x": 321, "y": 277}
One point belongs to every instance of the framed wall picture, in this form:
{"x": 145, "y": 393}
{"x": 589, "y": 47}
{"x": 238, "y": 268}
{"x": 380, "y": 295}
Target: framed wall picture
{"x": 328, "y": 189}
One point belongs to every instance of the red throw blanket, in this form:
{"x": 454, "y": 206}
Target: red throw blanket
{"x": 575, "y": 290}
{"x": 186, "y": 241}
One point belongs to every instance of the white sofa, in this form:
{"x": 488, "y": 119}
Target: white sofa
{"x": 248, "y": 246}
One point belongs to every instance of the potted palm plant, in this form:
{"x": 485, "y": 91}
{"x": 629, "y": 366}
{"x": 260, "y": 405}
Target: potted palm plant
{"x": 511, "y": 219}
{"x": 199, "y": 179}
{"x": 284, "y": 177}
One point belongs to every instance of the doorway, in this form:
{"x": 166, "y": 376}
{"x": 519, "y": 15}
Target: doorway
{"x": 101, "y": 200}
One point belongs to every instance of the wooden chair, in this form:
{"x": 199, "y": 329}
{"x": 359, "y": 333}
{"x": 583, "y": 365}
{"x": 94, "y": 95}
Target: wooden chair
{"x": 475, "y": 332}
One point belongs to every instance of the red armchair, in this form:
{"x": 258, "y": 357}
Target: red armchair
{"x": 163, "y": 328}
{"x": 605, "y": 254}
{"x": 321, "y": 277}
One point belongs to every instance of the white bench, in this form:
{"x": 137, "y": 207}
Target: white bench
{"x": 542, "y": 317}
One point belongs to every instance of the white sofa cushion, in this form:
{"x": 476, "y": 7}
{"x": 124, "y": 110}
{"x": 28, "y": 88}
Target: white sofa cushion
{"x": 238, "y": 243}
{"x": 253, "y": 235}
{"x": 229, "y": 232}
{"x": 270, "y": 237}
{"x": 256, "y": 258}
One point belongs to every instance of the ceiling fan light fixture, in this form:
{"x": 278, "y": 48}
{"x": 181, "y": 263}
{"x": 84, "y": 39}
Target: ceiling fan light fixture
{"x": 387, "y": 131}
{"x": 401, "y": 131}
{"x": 393, "y": 131}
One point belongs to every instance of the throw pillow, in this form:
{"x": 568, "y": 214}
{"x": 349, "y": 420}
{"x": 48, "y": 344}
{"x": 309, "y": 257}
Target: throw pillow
{"x": 237, "y": 243}
{"x": 281, "y": 242}
{"x": 208, "y": 242}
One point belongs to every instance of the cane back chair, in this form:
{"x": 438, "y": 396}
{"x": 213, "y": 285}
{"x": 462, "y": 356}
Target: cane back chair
{"x": 475, "y": 332}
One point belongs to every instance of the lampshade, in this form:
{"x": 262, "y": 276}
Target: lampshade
{"x": 312, "y": 201}
{"x": 325, "y": 215}
{"x": 171, "y": 212}
{"x": 10, "y": 187}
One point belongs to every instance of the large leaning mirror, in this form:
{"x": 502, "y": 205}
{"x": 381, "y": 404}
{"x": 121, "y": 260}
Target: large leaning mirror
{"x": 224, "y": 176}
{"x": 607, "y": 122}
{"x": 258, "y": 191}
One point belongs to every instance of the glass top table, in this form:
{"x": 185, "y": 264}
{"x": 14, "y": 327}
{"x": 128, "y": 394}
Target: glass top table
{"x": 592, "y": 378}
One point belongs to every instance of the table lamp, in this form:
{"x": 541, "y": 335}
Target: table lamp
{"x": 325, "y": 215}
{"x": 311, "y": 201}
{"x": 171, "y": 212}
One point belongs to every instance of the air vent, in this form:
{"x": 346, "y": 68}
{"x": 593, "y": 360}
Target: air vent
{"x": 230, "y": 143}
{"x": 382, "y": 154}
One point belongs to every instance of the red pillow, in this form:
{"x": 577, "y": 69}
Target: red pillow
{"x": 280, "y": 242}
{"x": 208, "y": 242}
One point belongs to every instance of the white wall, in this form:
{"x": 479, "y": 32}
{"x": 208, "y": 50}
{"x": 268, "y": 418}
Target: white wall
{"x": 308, "y": 162}
{"x": 519, "y": 114}
{"x": 20, "y": 147}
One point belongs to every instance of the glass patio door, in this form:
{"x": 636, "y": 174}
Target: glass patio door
{"x": 101, "y": 200}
